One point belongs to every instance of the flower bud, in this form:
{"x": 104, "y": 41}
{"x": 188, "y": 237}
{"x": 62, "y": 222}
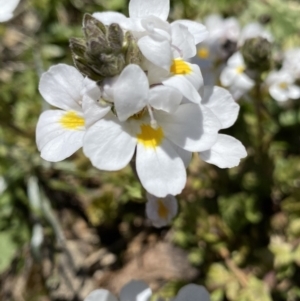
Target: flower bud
{"x": 257, "y": 54}
{"x": 105, "y": 51}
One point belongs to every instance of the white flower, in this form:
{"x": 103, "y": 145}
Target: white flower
{"x": 234, "y": 77}
{"x": 59, "y": 133}
{"x": 281, "y": 86}
{"x": 7, "y": 9}
{"x": 254, "y": 30}
{"x": 227, "y": 151}
{"x": 161, "y": 210}
{"x": 165, "y": 46}
{"x": 139, "y": 291}
{"x": 291, "y": 62}
{"x": 152, "y": 123}
{"x": 132, "y": 291}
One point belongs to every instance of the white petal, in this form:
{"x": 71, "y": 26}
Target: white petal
{"x": 191, "y": 127}
{"x": 108, "y": 144}
{"x": 161, "y": 210}
{"x": 294, "y": 92}
{"x": 55, "y": 142}
{"x": 61, "y": 87}
{"x": 183, "y": 41}
{"x": 130, "y": 92}
{"x": 278, "y": 93}
{"x": 7, "y": 8}
{"x": 236, "y": 60}
{"x": 225, "y": 153}
{"x": 228, "y": 76}
{"x": 160, "y": 169}
{"x": 222, "y": 104}
{"x": 157, "y": 52}
{"x": 135, "y": 290}
{"x": 184, "y": 86}
{"x": 100, "y": 295}
{"x": 107, "y": 18}
{"x": 91, "y": 89}
{"x": 164, "y": 98}
{"x": 185, "y": 156}
{"x": 198, "y": 30}
{"x": 157, "y": 28}
{"x": 93, "y": 111}
{"x": 192, "y": 292}
{"x": 244, "y": 82}
{"x": 142, "y": 8}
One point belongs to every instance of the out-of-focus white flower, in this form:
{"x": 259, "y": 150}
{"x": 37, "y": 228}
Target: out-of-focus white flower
{"x": 7, "y": 8}
{"x": 161, "y": 210}
{"x": 139, "y": 291}
{"x": 254, "y": 30}
{"x": 291, "y": 62}
{"x": 234, "y": 77}
{"x": 59, "y": 133}
{"x": 281, "y": 86}
{"x": 132, "y": 291}
{"x": 154, "y": 123}
{"x": 227, "y": 151}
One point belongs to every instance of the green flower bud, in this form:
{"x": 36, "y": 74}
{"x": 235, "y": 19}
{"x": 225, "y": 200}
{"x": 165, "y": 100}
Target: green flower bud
{"x": 105, "y": 51}
{"x": 257, "y": 54}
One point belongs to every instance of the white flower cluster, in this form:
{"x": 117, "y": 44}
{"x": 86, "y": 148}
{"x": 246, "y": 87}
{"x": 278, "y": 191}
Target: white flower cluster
{"x": 7, "y": 8}
{"x": 158, "y": 112}
{"x": 139, "y": 291}
{"x": 282, "y": 83}
{"x": 224, "y": 39}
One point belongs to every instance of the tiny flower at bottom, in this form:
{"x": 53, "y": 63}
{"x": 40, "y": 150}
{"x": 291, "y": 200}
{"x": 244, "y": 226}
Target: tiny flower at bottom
{"x": 161, "y": 210}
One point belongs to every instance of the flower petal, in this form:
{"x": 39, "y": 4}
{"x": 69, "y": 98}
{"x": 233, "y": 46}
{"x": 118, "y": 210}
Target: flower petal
{"x": 184, "y": 86}
{"x": 192, "y": 292}
{"x": 294, "y": 92}
{"x": 93, "y": 111}
{"x": 183, "y": 41}
{"x": 59, "y": 134}
{"x": 100, "y": 295}
{"x": 225, "y": 153}
{"x": 109, "y": 144}
{"x": 7, "y": 9}
{"x": 198, "y": 30}
{"x": 222, "y": 104}
{"x": 164, "y": 98}
{"x": 157, "y": 52}
{"x": 161, "y": 210}
{"x": 135, "y": 290}
{"x": 160, "y": 169}
{"x": 228, "y": 76}
{"x": 278, "y": 93}
{"x": 192, "y": 127}
{"x": 61, "y": 87}
{"x": 142, "y": 8}
{"x": 130, "y": 92}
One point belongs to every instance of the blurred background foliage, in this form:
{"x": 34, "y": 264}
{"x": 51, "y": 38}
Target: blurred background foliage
{"x": 239, "y": 228}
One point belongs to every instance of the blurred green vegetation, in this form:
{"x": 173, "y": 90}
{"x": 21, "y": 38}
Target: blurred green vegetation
{"x": 240, "y": 227}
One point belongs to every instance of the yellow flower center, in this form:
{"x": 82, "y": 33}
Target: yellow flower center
{"x": 162, "y": 209}
{"x": 283, "y": 85}
{"x": 149, "y": 136}
{"x": 71, "y": 121}
{"x": 240, "y": 69}
{"x": 203, "y": 53}
{"x": 180, "y": 67}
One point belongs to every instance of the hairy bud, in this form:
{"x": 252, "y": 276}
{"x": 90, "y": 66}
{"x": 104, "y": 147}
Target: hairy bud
{"x": 257, "y": 54}
{"x": 105, "y": 51}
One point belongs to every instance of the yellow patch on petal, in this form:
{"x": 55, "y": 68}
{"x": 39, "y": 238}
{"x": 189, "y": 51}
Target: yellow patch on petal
{"x": 240, "y": 69}
{"x": 150, "y": 137}
{"x": 162, "y": 209}
{"x": 203, "y": 52}
{"x": 180, "y": 67}
{"x": 71, "y": 121}
{"x": 283, "y": 85}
